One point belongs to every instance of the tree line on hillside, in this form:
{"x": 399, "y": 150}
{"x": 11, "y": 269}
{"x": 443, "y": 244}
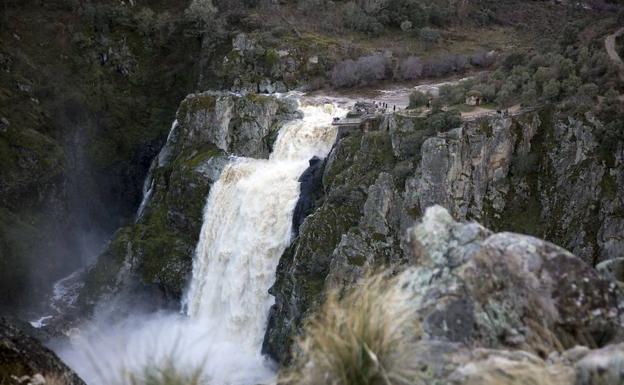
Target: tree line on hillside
{"x": 373, "y": 68}
{"x": 574, "y": 81}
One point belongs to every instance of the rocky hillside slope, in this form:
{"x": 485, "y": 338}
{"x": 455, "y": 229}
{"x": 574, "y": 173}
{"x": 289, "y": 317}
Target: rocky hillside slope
{"x": 86, "y": 99}
{"x": 537, "y": 173}
{"x": 83, "y": 113}
{"x": 82, "y": 116}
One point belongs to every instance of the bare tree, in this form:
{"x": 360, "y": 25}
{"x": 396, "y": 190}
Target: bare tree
{"x": 411, "y": 68}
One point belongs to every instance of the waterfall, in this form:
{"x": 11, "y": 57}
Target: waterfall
{"x": 246, "y": 228}
{"x": 159, "y": 161}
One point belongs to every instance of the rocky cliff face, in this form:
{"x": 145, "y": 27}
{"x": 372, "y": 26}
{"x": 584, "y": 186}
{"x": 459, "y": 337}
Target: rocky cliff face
{"x": 257, "y": 63}
{"x": 538, "y": 174}
{"x": 534, "y": 173}
{"x": 156, "y": 252}
{"x": 82, "y": 115}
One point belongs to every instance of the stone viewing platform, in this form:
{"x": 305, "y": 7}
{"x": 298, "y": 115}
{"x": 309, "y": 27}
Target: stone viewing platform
{"x": 360, "y": 117}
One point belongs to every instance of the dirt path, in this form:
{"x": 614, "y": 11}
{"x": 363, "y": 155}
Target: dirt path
{"x": 610, "y": 45}
{"x": 481, "y": 112}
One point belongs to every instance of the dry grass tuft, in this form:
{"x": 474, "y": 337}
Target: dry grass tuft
{"x": 166, "y": 373}
{"x": 55, "y": 379}
{"x": 363, "y": 338}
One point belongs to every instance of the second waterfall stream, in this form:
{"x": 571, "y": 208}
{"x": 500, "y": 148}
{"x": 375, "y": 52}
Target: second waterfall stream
{"x": 247, "y": 226}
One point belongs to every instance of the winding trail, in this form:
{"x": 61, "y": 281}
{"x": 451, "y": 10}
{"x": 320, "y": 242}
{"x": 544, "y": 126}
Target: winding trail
{"x": 610, "y": 45}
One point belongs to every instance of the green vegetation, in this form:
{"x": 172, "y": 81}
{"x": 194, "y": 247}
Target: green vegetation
{"x": 418, "y": 99}
{"x": 165, "y": 244}
{"x": 574, "y": 75}
{"x": 576, "y": 79}
{"x": 81, "y": 116}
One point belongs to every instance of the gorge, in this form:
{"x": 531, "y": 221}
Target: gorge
{"x": 305, "y": 192}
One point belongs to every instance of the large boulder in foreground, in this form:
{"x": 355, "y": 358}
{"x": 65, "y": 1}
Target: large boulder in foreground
{"x": 23, "y": 359}
{"x": 506, "y": 290}
{"x": 475, "y": 308}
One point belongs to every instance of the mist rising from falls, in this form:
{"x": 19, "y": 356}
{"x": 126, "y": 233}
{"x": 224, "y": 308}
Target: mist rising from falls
{"x": 247, "y": 226}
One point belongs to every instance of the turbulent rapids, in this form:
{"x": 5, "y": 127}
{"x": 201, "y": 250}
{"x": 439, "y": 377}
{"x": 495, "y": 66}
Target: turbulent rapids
{"x": 247, "y": 226}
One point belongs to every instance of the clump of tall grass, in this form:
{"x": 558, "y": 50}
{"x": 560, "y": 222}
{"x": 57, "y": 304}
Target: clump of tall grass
{"x": 364, "y": 337}
{"x": 166, "y": 373}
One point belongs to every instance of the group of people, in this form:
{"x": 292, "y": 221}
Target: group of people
{"x": 384, "y": 106}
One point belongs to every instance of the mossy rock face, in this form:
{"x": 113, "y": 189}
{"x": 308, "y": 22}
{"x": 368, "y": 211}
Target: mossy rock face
{"x": 352, "y": 166}
{"x": 30, "y": 161}
{"x": 158, "y": 249}
{"x": 358, "y": 224}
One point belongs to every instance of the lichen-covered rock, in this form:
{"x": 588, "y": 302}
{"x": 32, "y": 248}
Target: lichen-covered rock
{"x": 243, "y": 126}
{"x": 603, "y": 366}
{"x": 372, "y": 241}
{"x": 501, "y": 367}
{"x": 21, "y": 355}
{"x": 612, "y": 269}
{"x": 506, "y": 290}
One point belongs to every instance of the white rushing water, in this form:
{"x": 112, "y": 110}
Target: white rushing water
{"x": 247, "y": 226}
{"x": 148, "y": 183}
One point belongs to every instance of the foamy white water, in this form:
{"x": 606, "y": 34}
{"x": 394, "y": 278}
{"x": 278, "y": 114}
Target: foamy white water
{"x": 247, "y": 226}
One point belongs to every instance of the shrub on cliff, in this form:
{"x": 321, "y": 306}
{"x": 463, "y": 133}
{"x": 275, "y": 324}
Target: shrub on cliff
{"x": 411, "y": 68}
{"x": 202, "y": 15}
{"x": 429, "y": 36}
{"x": 361, "y": 338}
{"x": 452, "y": 94}
{"x": 482, "y": 59}
{"x": 418, "y": 99}
{"x": 440, "y": 120}
{"x": 357, "y": 20}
